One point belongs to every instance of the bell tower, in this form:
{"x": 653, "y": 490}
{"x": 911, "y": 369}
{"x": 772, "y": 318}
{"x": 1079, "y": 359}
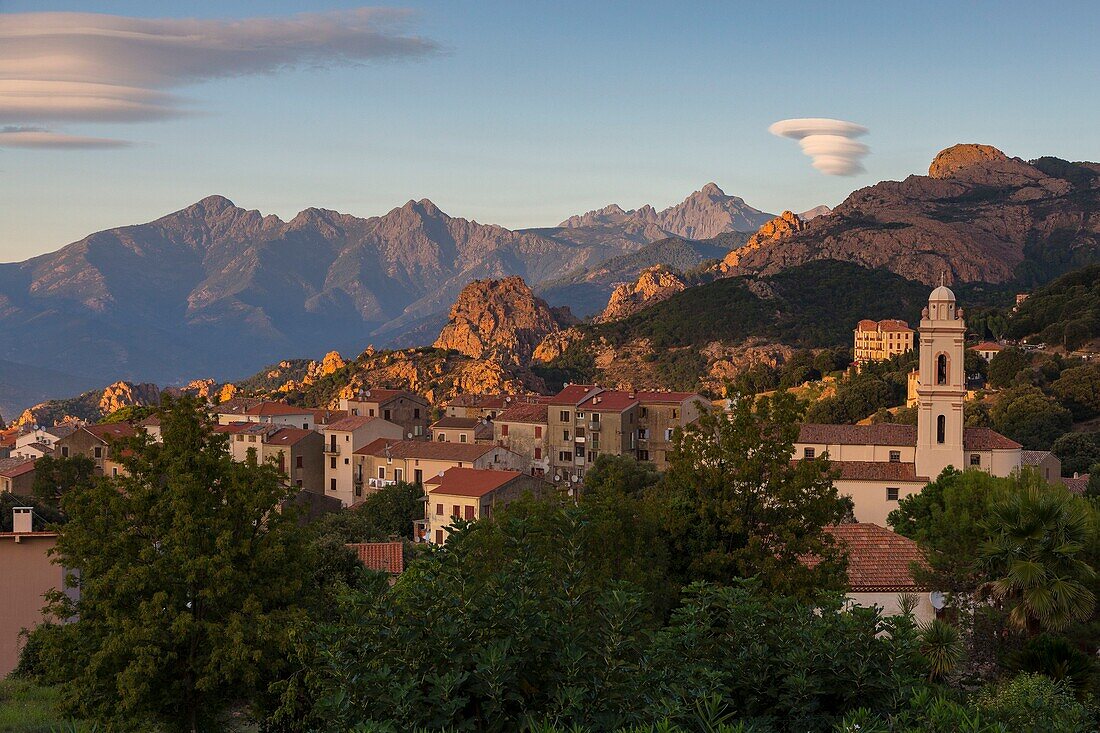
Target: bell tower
{"x": 942, "y": 387}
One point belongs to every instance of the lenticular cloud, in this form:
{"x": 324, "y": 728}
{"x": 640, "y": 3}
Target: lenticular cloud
{"x": 828, "y": 142}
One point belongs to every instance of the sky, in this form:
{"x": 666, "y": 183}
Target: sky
{"x": 515, "y": 113}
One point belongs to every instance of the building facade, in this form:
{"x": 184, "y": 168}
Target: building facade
{"x": 411, "y": 411}
{"x": 28, "y": 573}
{"x": 880, "y": 340}
{"x": 470, "y": 494}
{"x": 881, "y": 464}
{"x": 523, "y": 428}
{"x": 341, "y": 439}
{"x": 386, "y": 462}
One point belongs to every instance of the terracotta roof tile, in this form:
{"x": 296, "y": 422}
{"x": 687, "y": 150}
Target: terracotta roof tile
{"x": 1077, "y": 484}
{"x": 525, "y": 413}
{"x": 384, "y": 557}
{"x": 349, "y": 423}
{"x": 425, "y": 449}
{"x": 111, "y": 431}
{"x": 572, "y": 394}
{"x": 987, "y": 346}
{"x": 12, "y": 467}
{"x": 892, "y": 434}
{"x": 609, "y": 399}
{"x": 474, "y": 482}
{"x": 288, "y": 436}
{"x": 877, "y": 471}
{"x": 456, "y": 422}
{"x": 987, "y": 439}
{"x": 266, "y": 409}
{"x": 379, "y": 395}
{"x": 878, "y": 559}
{"x": 1033, "y": 457}
{"x": 672, "y": 398}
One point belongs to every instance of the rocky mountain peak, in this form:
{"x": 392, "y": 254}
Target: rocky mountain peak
{"x": 950, "y": 160}
{"x": 498, "y": 318}
{"x": 785, "y": 225}
{"x": 653, "y": 285}
{"x": 712, "y": 189}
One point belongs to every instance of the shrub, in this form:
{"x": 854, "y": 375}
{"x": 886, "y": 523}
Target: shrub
{"x": 1032, "y": 703}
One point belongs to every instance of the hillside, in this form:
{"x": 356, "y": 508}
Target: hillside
{"x": 1064, "y": 313}
{"x": 980, "y": 216}
{"x": 588, "y": 291}
{"x": 705, "y": 335}
{"x": 217, "y": 290}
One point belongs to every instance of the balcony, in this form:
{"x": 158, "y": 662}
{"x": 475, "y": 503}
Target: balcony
{"x": 332, "y": 450}
{"x": 379, "y": 483}
{"x": 579, "y": 439}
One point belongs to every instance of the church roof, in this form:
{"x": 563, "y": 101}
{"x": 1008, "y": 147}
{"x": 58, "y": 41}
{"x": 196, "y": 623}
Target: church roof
{"x": 942, "y": 293}
{"x": 878, "y": 471}
{"x": 893, "y": 434}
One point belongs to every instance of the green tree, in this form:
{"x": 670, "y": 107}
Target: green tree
{"x": 1029, "y": 417}
{"x": 386, "y": 514}
{"x": 740, "y": 507}
{"x": 45, "y": 513}
{"x": 1006, "y": 365}
{"x": 190, "y": 578}
{"x": 1078, "y": 388}
{"x": 55, "y": 477}
{"x": 130, "y": 413}
{"x": 1077, "y": 451}
{"x": 1036, "y": 554}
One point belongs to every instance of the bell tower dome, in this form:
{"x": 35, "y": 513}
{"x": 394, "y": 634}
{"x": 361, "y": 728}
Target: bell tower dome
{"x": 942, "y": 387}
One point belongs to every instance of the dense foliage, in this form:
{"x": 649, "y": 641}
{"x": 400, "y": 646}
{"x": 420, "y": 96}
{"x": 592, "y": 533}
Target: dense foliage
{"x": 1065, "y": 312}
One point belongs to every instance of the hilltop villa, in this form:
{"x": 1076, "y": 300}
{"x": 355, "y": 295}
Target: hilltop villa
{"x": 880, "y": 464}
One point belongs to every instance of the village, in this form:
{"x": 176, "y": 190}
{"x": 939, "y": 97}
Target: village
{"x": 476, "y": 453}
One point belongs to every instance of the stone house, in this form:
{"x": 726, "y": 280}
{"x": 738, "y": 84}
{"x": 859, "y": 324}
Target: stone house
{"x": 471, "y": 494}
{"x": 17, "y": 475}
{"x": 411, "y": 411}
{"x": 462, "y": 430}
{"x": 296, "y": 452}
{"x": 96, "y": 442}
{"x": 523, "y": 428}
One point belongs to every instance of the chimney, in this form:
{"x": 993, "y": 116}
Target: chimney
{"x": 22, "y": 519}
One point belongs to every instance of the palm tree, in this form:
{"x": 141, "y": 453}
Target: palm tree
{"x": 1037, "y": 539}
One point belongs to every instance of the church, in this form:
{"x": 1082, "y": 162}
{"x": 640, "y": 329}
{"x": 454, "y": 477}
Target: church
{"x": 881, "y": 464}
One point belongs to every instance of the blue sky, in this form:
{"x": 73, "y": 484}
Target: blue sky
{"x": 529, "y": 112}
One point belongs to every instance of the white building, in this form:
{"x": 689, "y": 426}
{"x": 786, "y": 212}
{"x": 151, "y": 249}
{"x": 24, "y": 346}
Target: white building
{"x": 881, "y": 464}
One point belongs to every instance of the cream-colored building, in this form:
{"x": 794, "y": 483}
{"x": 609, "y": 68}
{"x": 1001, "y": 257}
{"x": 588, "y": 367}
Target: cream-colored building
{"x": 449, "y": 429}
{"x": 263, "y": 411}
{"x": 523, "y": 428}
{"x": 470, "y": 494}
{"x": 384, "y": 462}
{"x": 880, "y": 340}
{"x": 341, "y": 439}
{"x": 988, "y": 349}
{"x": 488, "y": 406}
{"x": 586, "y": 420}
{"x": 411, "y": 411}
{"x": 296, "y": 452}
{"x": 881, "y": 464}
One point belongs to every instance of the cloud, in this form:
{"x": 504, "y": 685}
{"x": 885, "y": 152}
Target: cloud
{"x": 87, "y": 67}
{"x": 12, "y": 136}
{"x": 829, "y": 142}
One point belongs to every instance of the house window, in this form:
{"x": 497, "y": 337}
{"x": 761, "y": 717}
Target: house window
{"x": 456, "y": 511}
{"x": 98, "y": 451}
{"x": 64, "y": 451}
{"x": 332, "y": 462}
{"x": 418, "y": 430}
{"x": 807, "y": 452}
{"x": 891, "y": 495}
{"x": 564, "y": 415}
{"x": 675, "y": 414}
{"x": 564, "y": 456}
{"x": 387, "y": 415}
{"x": 895, "y": 456}
{"x": 298, "y": 462}
{"x": 504, "y": 430}
{"x": 538, "y": 431}
{"x": 416, "y": 413}
{"x": 332, "y": 485}
{"x": 397, "y": 474}
{"x": 579, "y": 452}
{"x": 298, "y": 483}
{"x": 442, "y": 437}
{"x": 592, "y": 456}
{"x": 347, "y": 461}
{"x": 381, "y": 472}
{"x": 975, "y": 459}
{"x": 439, "y": 510}
{"x": 565, "y": 435}
{"x": 462, "y": 437}
{"x": 538, "y": 454}
{"x": 643, "y": 455}
{"x": 469, "y": 512}
{"x": 668, "y": 434}
{"x": 371, "y": 413}
{"x": 941, "y": 369}
{"x": 439, "y": 537}
{"x": 941, "y": 429}
{"x": 240, "y": 438}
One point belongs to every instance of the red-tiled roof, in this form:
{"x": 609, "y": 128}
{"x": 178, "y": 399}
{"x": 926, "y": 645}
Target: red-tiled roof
{"x": 349, "y": 423}
{"x": 233, "y": 427}
{"x": 385, "y": 557}
{"x": 12, "y": 467}
{"x": 671, "y": 398}
{"x": 425, "y": 449}
{"x": 496, "y": 401}
{"x": 609, "y": 399}
{"x": 987, "y": 439}
{"x": 572, "y": 394}
{"x": 892, "y": 434}
{"x": 325, "y": 416}
{"x": 268, "y": 409}
{"x": 379, "y": 396}
{"x": 236, "y": 405}
{"x": 150, "y": 421}
{"x": 1033, "y": 457}
{"x": 456, "y": 422}
{"x": 987, "y": 346}
{"x": 525, "y": 413}
{"x": 881, "y": 434}
{"x": 877, "y": 471}
{"x": 1077, "y": 484}
{"x": 892, "y": 324}
{"x": 288, "y": 436}
{"x": 474, "y": 482}
{"x": 111, "y": 431}
{"x": 878, "y": 559}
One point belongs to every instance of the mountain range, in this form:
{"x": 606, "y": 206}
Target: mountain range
{"x": 217, "y": 290}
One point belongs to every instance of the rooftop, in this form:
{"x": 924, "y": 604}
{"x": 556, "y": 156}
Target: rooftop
{"x": 425, "y": 449}
{"x": 384, "y": 557}
{"x": 12, "y": 467}
{"x": 894, "y": 434}
{"x": 525, "y": 413}
{"x": 111, "y": 431}
{"x": 474, "y": 482}
{"x": 349, "y": 423}
{"x": 878, "y": 559}
{"x": 1034, "y": 457}
{"x": 456, "y": 422}
{"x": 269, "y": 409}
{"x": 987, "y": 346}
{"x": 288, "y": 436}
{"x": 878, "y": 471}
